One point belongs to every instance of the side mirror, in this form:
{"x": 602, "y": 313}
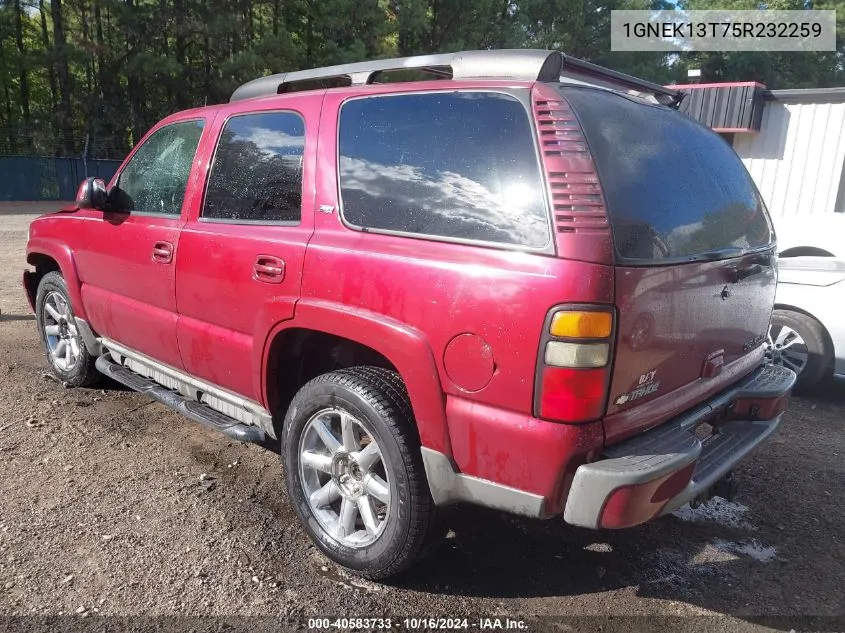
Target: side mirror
{"x": 92, "y": 194}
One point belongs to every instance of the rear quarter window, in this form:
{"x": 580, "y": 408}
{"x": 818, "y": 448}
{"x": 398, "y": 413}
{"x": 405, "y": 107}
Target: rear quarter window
{"x": 456, "y": 165}
{"x": 674, "y": 189}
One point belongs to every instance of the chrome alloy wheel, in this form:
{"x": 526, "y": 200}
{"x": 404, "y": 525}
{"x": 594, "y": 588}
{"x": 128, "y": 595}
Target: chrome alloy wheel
{"x": 60, "y": 332}
{"x": 784, "y": 346}
{"x": 345, "y": 477}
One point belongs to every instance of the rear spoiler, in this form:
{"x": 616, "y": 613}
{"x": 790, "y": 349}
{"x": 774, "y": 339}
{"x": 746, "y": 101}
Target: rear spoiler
{"x": 587, "y": 72}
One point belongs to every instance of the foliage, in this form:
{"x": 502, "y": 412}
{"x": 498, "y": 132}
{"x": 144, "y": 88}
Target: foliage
{"x": 106, "y": 70}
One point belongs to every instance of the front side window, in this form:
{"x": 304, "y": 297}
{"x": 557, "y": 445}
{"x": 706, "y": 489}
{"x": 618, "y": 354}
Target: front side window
{"x": 459, "y": 165}
{"x": 257, "y": 171}
{"x": 156, "y": 176}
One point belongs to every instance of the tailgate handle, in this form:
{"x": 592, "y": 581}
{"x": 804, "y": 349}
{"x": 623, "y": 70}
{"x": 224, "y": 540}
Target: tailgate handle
{"x": 763, "y": 258}
{"x": 756, "y": 264}
{"x": 748, "y": 271}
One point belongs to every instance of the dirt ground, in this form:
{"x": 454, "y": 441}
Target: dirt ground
{"x": 103, "y": 513}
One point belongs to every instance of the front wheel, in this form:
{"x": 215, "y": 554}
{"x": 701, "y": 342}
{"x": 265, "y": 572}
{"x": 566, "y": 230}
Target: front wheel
{"x": 354, "y": 472}
{"x": 797, "y": 341}
{"x": 69, "y": 359}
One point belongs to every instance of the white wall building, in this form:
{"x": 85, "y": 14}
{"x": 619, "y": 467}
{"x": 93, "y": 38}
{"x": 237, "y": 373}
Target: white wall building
{"x": 797, "y": 157}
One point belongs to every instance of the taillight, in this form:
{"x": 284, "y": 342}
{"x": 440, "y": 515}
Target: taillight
{"x": 581, "y": 324}
{"x": 573, "y": 367}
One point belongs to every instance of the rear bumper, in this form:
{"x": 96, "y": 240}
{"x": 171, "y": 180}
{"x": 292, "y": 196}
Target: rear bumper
{"x": 535, "y": 468}
{"x": 662, "y": 469}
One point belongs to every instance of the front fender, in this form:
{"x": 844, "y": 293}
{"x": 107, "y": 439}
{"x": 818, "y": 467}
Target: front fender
{"x": 63, "y": 256}
{"x": 405, "y": 347}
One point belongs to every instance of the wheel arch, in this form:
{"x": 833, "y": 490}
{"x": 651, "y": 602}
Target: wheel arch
{"x": 398, "y": 347}
{"x": 48, "y": 255}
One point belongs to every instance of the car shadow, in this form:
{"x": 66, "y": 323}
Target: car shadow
{"x": 492, "y": 555}
{"x": 770, "y": 564}
{"x": 106, "y": 384}
{"x": 831, "y": 390}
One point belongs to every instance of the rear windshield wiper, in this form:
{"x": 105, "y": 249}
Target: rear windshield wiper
{"x": 716, "y": 254}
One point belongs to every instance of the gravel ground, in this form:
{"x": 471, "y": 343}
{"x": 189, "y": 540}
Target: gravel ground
{"x": 111, "y": 505}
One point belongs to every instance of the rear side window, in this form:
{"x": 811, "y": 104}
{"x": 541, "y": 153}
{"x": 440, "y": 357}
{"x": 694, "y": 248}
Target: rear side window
{"x": 674, "y": 189}
{"x": 256, "y": 175}
{"x": 459, "y": 165}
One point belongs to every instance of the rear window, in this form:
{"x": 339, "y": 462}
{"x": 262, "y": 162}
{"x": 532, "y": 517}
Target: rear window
{"x": 456, "y": 165}
{"x": 674, "y": 189}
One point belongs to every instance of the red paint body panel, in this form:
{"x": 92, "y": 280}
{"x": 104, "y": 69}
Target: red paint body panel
{"x": 444, "y": 289}
{"x": 405, "y": 347}
{"x": 128, "y": 296}
{"x": 225, "y": 344}
{"x": 113, "y": 280}
{"x": 45, "y": 238}
{"x": 578, "y": 206}
{"x": 520, "y": 451}
{"x": 226, "y": 310}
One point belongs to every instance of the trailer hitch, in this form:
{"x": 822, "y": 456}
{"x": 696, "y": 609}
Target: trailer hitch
{"x": 727, "y": 488}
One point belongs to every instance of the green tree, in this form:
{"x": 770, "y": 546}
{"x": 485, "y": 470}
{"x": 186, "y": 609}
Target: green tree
{"x": 106, "y": 70}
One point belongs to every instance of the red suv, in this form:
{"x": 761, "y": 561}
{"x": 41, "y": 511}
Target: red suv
{"x": 518, "y": 280}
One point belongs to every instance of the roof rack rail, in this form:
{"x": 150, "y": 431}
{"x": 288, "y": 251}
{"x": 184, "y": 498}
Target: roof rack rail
{"x": 521, "y": 64}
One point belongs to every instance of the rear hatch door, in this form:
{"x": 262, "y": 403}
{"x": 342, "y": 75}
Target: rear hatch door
{"x": 695, "y": 272}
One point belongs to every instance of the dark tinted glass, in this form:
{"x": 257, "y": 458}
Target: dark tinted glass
{"x": 155, "y": 178}
{"x": 674, "y": 189}
{"x": 458, "y": 165}
{"x": 257, "y": 169}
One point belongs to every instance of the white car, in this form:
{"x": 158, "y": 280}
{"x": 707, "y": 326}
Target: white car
{"x": 807, "y": 332}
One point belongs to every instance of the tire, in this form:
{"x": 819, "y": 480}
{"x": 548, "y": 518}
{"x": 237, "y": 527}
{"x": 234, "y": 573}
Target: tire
{"x": 374, "y": 403}
{"x": 812, "y": 344}
{"x": 54, "y": 314}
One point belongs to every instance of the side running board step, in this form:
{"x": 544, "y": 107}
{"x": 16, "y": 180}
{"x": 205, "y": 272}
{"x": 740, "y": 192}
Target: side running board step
{"x": 196, "y": 411}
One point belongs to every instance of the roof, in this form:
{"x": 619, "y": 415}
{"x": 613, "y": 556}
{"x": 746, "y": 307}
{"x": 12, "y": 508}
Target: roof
{"x": 513, "y": 64}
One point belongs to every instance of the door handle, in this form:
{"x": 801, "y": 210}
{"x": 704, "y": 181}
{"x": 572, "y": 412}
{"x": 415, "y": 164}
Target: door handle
{"x": 268, "y": 269}
{"x": 163, "y": 252}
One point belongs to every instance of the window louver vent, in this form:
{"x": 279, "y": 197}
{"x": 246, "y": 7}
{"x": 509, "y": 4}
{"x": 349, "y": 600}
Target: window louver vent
{"x": 575, "y": 192}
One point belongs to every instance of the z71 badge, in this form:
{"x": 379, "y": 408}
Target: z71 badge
{"x": 647, "y": 385}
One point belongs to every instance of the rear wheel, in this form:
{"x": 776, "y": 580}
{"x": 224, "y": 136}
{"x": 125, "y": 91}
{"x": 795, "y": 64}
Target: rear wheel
{"x": 69, "y": 359}
{"x": 354, "y": 472}
{"x": 798, "y": 341}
